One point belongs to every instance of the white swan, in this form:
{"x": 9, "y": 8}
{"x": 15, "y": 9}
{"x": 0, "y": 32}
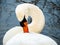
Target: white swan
{"x": 31, "y": 39}
{"x": 36, "y": 25}
{"x": 15, "y": 36}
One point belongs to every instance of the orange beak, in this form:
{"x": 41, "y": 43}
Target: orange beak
{"x": 25, "y": 28}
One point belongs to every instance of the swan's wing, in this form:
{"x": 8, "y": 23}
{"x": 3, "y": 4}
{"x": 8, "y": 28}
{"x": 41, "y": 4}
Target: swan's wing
{"x": 31, "y": 39}
{"x": 12, "y": 32}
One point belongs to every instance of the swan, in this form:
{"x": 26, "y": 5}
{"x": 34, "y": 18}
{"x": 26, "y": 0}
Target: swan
{"x": 37, "y": 24}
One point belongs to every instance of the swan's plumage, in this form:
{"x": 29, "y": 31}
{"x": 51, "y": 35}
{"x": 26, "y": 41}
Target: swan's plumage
{"x": 31, "y": 39}
{"x": 12, "y": 32}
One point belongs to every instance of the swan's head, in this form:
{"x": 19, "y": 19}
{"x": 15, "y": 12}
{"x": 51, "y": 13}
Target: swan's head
{"x": 23, "y": 22}
{"x": 34, "y": 12}
{"x": 24, "y": 25}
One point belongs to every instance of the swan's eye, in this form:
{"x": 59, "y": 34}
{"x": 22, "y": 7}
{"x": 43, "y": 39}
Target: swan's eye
{"x": 29, "y": 19}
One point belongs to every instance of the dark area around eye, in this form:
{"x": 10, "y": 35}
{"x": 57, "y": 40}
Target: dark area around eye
{"x": 22, "y": 22}
{"x": 29, "y": 19}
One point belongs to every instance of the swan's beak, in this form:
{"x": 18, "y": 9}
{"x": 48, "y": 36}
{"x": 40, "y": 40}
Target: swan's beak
{"x": 25, "y": 28}
{"x": 24, "y": 24}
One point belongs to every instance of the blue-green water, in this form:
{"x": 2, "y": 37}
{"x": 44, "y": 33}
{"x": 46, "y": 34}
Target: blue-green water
{"x": 50, "y": 8}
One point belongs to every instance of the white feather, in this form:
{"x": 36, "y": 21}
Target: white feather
{"x": 31, "y": 39}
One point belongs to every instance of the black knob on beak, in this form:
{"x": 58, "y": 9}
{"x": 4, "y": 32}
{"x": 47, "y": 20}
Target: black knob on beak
{"x": 22, "y": 22}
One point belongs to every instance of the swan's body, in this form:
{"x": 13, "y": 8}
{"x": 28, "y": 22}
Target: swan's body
{"x": 31, "y": 39}
{"x": 12, "y": 32}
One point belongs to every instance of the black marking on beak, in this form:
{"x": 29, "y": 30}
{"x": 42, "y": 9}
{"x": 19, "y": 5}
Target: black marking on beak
{"x": 22, "y": 22}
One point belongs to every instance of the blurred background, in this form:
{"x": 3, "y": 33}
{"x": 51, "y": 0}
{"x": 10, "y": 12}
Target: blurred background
{"x": 50, "y": 8}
